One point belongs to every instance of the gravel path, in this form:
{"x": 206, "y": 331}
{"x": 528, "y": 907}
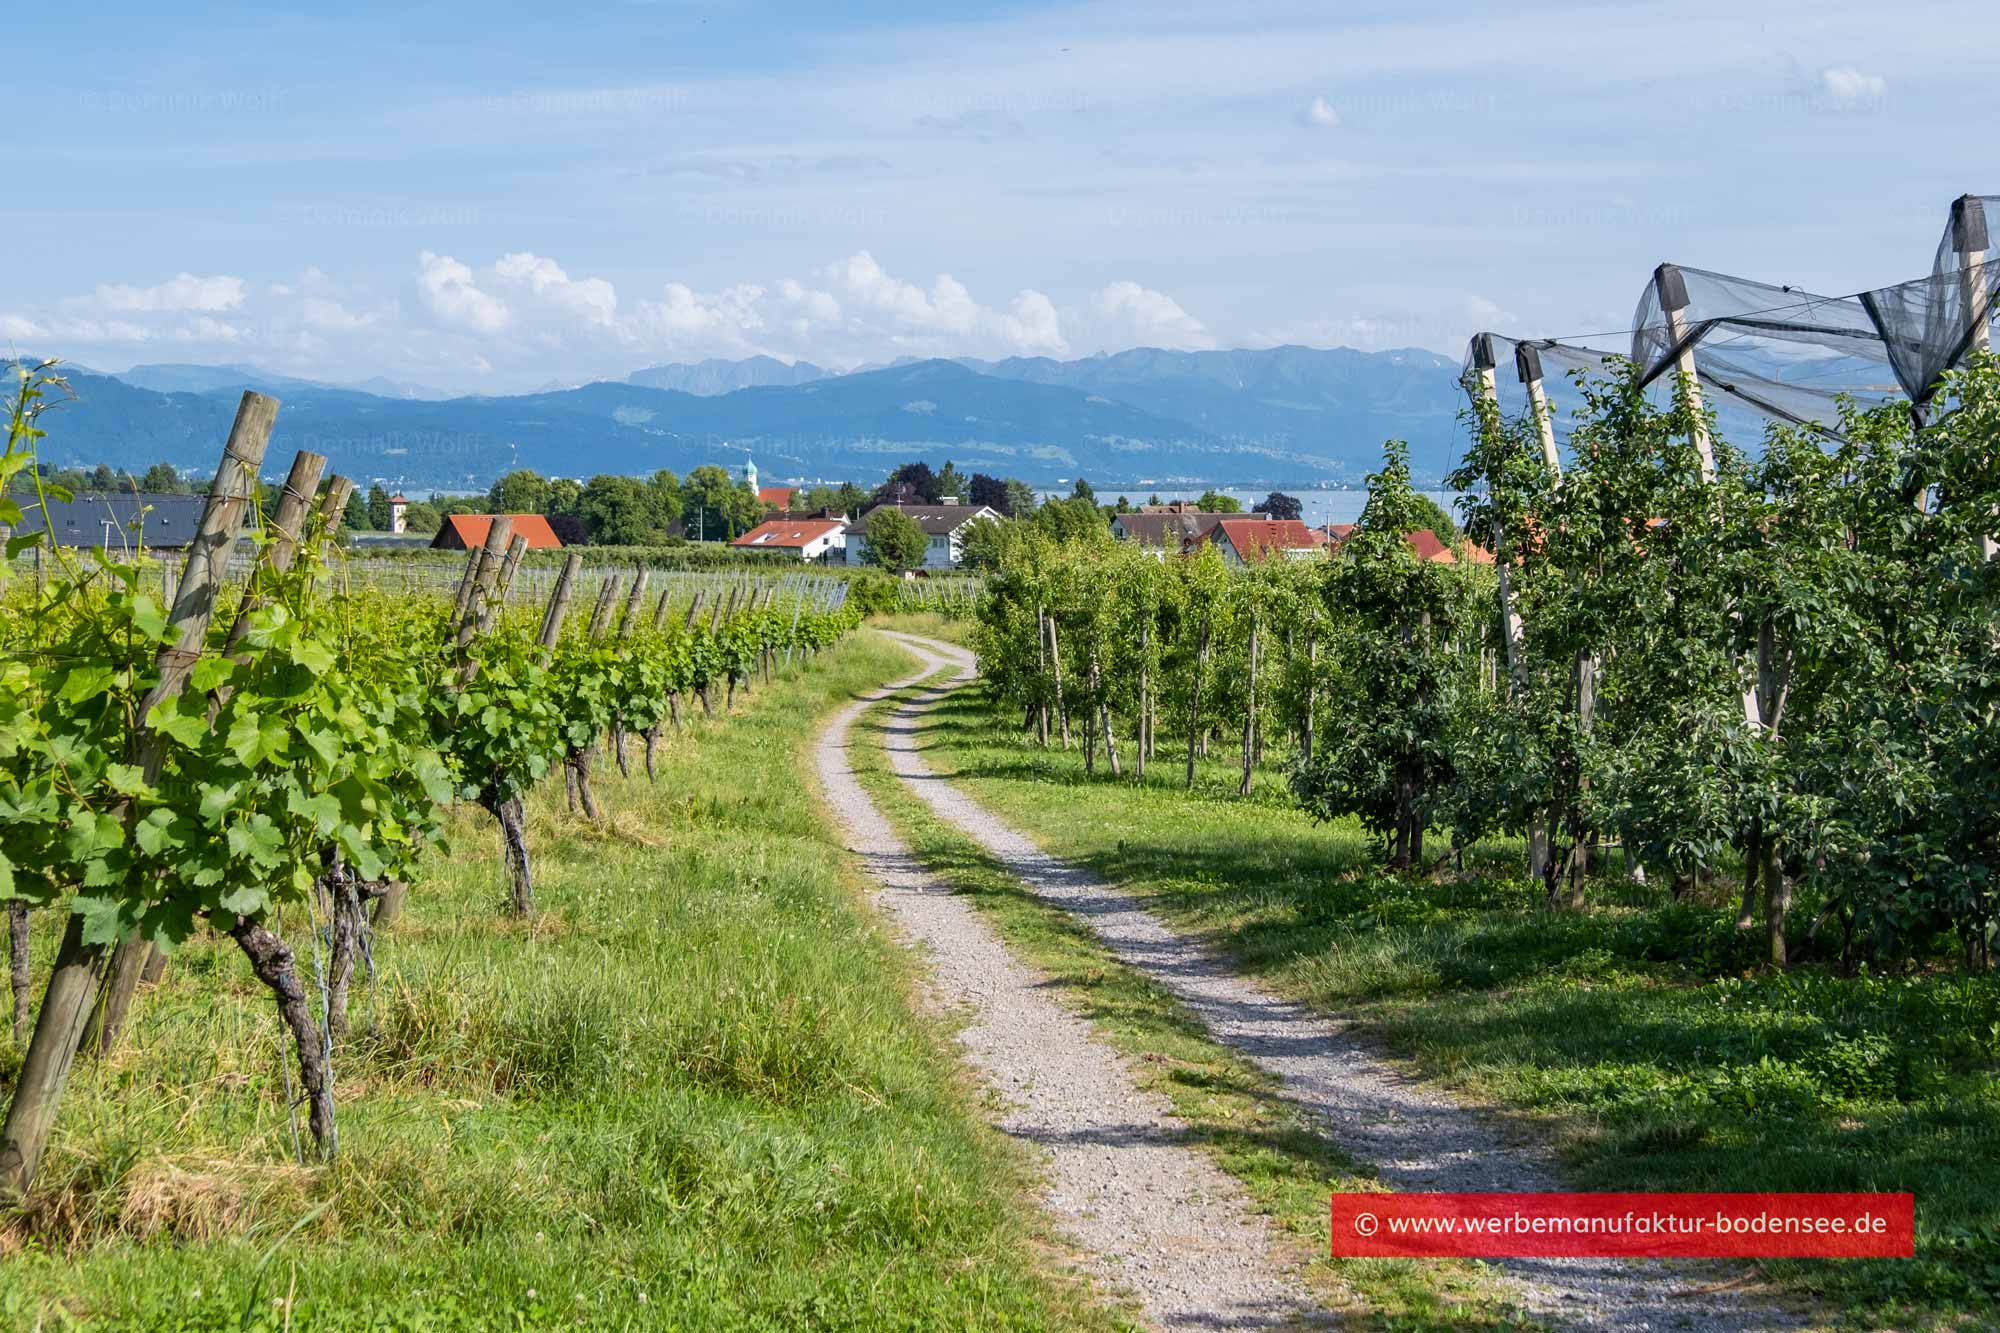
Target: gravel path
{"x": 1152, "y": 1215}
{"x": 1416, "y": 1137}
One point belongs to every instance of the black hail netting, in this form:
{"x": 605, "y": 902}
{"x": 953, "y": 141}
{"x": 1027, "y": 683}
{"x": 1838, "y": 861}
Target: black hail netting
{"x": 1741, "y": 414}
{"x": 1775, "y": 353}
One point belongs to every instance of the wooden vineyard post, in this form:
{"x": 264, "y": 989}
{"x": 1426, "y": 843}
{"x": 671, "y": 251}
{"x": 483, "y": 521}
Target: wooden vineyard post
{"x": 72, "y": 986}
{"x": 1969, "y": 240}
{"x": 576, "y": 764}
{"x": 287, "y": 523}
{"x": 1103, "y": 714}
{"x": 626, "y": 623}
{"x": 1194, "y": 700}
{"x": 510, "y": 565}
{"x": 485, "y": 573}
{"x": 1041, "y": 672}
{"x": 1671, "y": 288}
{"x": 552, "y": 619}
{"x": 1055, "y": 666}
{"x": 1144, "y": 745}
{"x": 1250, "y": 711}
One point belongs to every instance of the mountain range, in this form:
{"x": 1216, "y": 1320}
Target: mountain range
{"x": 1282, "y": 416}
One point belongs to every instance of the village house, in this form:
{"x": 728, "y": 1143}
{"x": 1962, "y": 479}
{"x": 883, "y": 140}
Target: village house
{"x": 1244, "y": 541}
{"x": 821, "y": 539}
{"x": 944, "y": 528}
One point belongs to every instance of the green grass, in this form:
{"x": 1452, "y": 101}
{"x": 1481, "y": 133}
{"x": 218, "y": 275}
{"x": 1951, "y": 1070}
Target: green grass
{"x": 1232, "y": 1108}
{"x": 1643, "y": 1037}
{"x": 692, "y": 1094}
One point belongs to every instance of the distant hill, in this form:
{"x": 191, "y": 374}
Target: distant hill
{"x": 1289, "y": 416}
{"x": 715, "y": 376}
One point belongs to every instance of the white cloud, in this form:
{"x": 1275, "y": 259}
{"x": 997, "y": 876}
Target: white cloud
{"x": 947, "y": 310}
{"x": 1319, "y": 114}
{"x": 452, "y": 295}
{"x": 16, "y": 326}
{"x": 684, "y": 317}
{"x": 207, "y": 329}
{"x": 184, "y": 291}
{"x": 1148, "y": 318}
{"x": 1846, "y": 86}
{"x": 593, "y": 299}
{"x": 330, "y": 316}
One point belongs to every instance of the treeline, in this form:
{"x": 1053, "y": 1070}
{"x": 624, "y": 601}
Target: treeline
{"x": 1779, "y": 667}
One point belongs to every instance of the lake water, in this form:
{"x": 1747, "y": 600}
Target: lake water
{"x": 1316, "y": 507}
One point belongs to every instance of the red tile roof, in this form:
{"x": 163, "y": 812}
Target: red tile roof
{"x": 1429, "y": 547}
{"x": 466, "y": 531}
{"x": 789, "y": 532}
{"x": 1253, "y": 538}
{"x": 777, "y": 497}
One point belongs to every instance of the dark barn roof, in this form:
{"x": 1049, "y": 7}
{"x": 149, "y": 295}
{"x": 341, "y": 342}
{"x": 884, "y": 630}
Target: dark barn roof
{"x": 167, "y": 521}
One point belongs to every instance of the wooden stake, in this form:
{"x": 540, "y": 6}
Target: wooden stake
{"x": 1672, "y": 290}
{"x": 73, "y": 984}
{"x": 552, "y": 619}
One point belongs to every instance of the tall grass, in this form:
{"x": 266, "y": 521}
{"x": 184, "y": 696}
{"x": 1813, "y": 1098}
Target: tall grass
{"x": 692, "y": 1094}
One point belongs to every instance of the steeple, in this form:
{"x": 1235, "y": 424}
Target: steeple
{"x": 749, "y": 473}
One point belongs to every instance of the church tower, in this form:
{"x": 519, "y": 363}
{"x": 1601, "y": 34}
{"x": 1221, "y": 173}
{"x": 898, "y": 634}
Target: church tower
{"x": 750, "y": 474}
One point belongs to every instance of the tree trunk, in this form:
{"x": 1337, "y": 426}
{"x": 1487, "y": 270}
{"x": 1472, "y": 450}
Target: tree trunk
{"x": 1753, "y": 866}
{"x": 514, "y": 839}
{"x": 17, "y": 967}
{"x": 1777, "y": 898}
{"x": 51, "y": 1051}
{"x": 1312, "y": 696}
{"x": 1194, "y": 699}
{"x": 350, "y": 942}
{"x": 652, "y": 740}
{"x": 271, "y": 959}
{"x": 618, "y": 749}
{"x": 579, "y": 764}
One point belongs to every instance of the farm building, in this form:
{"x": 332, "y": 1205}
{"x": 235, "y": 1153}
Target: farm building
{"x": 808, "y": 538}
{"x": 465, "y": 532}
{"x": 117, "y": 522}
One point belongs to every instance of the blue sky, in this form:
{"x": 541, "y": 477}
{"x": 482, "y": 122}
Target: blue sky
{"x": 499, "y": 197}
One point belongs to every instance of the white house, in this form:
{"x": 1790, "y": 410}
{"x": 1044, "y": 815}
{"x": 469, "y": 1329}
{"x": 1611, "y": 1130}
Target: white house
{"x": 944, "y": 528}
{"x": 823, "y": 539}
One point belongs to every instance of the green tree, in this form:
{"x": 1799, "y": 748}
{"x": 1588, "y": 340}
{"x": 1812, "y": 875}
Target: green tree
{"x": 565, "y": 494}
{"x": 1281, "y": 506}
{"x": 666, "y": 489}
{"x": 161, "y": 479}
{"x": 422, "y": 517}
{"x": 522, "y": 491}
{"x": 378, "y": 508}
{"x": 1388, "y": 758}
{"x": 357, "y": 519}
{"x": 988, "y": 491}
{"x": 621, "y": 511}
{"x": 951, "y": 482}
{"x": 1077, "y": 519}
{"x": 896, "y": 541}
{"x": 1213, "y": 501}
{"x": 1021, "y": 499}
{"x": 717, "y": 508}
{"x": 1083, "y": 491}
